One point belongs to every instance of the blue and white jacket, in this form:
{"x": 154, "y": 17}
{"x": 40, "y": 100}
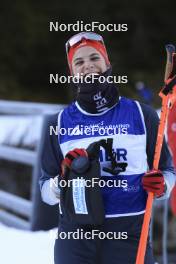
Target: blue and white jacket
{"x": 133, "y": 127}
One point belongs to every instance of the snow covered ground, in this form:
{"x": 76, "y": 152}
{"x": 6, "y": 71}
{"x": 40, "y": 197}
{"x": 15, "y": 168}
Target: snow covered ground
{"x": 17, "y": 246}
{"x": 24, "y": 247}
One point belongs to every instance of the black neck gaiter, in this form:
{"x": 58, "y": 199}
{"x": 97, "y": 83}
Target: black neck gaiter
{"x": 97, "y": 97}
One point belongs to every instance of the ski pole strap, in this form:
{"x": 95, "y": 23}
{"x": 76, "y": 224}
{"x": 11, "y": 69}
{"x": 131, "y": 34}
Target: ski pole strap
{"x": 173, "y": 66}
{"x": 168, "y": 87}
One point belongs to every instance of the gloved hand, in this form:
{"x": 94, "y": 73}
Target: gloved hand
{"x": 153, "y": 181}
{"x": 70, "y": 156}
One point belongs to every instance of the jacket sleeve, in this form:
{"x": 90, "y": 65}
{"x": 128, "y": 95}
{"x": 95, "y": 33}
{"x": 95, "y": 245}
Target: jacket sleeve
{"x": 51, "y": 158}
{"x": 151, "y": 120}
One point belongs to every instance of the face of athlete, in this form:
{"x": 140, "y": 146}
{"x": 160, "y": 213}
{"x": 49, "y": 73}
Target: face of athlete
{"x": 88, "y": 60}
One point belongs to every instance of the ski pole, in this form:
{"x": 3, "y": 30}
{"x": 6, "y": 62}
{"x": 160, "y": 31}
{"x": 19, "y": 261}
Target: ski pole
{"x": 170, "y": 50}
{"x": 165, "y": 94}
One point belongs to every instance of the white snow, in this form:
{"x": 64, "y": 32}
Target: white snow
{"x": 18, "y": 246}
{"x": 25, "y": 247}
{"x": 24, "y": 130}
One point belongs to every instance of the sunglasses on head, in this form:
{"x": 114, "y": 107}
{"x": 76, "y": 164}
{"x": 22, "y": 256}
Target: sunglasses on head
{"x": 83, "y": 35}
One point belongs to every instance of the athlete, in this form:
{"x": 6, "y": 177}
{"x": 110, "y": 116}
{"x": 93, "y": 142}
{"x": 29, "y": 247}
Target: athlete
{"x": 133, "y": 127}
{"x": 171, "y": 130}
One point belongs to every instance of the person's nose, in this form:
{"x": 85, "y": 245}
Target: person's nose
{"x": 88, "y": 65}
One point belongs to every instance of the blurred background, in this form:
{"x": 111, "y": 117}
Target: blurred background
{"x": 29, "y": 52}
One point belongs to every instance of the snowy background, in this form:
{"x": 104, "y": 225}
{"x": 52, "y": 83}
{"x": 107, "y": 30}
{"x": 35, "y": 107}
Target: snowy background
{"x": 17, "y": 246}
{"x": 20, "y": 130}
{"x": 24, "y": 247}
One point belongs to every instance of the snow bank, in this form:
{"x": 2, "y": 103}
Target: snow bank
{"x": 20, "y": 130}
{"x": 24, "y": 247}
